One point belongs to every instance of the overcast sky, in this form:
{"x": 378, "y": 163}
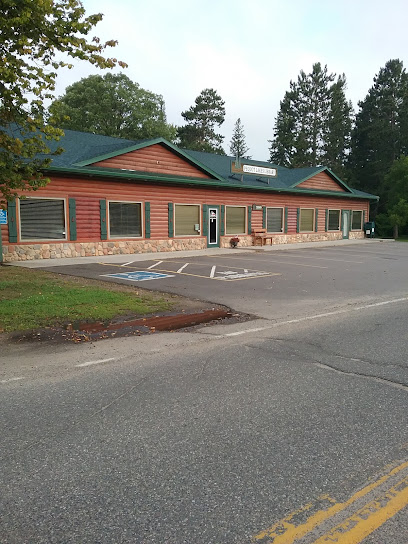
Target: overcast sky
{"x": 248, "y": 51}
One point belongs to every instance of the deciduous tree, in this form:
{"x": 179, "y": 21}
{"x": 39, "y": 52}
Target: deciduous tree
{"x": 113, "y": 105}
{"x": 201, "y": 119}
{"x": 35, "y": 36}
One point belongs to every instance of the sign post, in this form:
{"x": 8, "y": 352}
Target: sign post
{"x": 3, "y": 221}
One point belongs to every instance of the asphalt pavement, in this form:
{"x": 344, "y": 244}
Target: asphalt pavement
{"x": 288, "y": 428}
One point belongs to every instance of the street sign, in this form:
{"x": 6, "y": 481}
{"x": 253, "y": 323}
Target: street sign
{"x": 138, "y": 275}
{"x": 3, "y": 217}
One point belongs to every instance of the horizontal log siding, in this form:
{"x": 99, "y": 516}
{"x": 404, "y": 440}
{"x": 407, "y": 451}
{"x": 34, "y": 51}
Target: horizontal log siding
{"x": 321, "y": 182}
{"x": 154, "y": 158}
{"x": 88, "y": 218}
{"x": 4, "y": 233}
{"x": 256, "y": 220}
{"x": 88, "y": 192}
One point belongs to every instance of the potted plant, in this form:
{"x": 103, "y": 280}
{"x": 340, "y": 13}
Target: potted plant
{"x": 234, "y": 241}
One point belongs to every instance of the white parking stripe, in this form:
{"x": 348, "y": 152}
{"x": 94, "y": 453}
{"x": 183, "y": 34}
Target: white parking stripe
{"x": 126, "y": 264}
{"x": 89, "y": 363}
{"x": 182, "y": 268}
{"x": 212, "y": 271}
{"x": 13, "y": 379}
{"x": 153, "y": 265}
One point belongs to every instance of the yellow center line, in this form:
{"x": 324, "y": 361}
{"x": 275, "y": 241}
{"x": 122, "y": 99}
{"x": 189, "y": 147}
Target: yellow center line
{"x": 369, "y": 518}
{"x": 286, "y": 532}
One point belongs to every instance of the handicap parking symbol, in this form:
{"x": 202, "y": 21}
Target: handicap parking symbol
{"x": 139, "y": 275}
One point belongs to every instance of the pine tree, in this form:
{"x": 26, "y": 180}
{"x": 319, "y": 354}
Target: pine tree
{"x": 201, "y": 119}
{"x": 381, "y": 130}
{"x": 238, "y": 147}
{"x": 313, "y": 124}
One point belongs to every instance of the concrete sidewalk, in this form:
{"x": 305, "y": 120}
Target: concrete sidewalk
{"x": 138, "y": 257}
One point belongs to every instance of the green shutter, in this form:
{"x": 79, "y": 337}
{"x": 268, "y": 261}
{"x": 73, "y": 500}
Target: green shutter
{"x": 171, "y": 219}
{"x": 364, "y": 218}
{"x": 349, "y": 219}
{"x": 249, "y": 219}
{"x": 147, "y": 219}
{"x": 104, "y": 230}
{"x": 317, "y": 219}
{"x": 298, "y": 220}
{"x": 72, "y": 219}
{"x": 264, "y": 217}
{"x": 286, "y": 219}
{"x": 222, "y": 226}
{"x": 205, "y": 220}
{"x": 12, "y": 222}
{"x": 327, "y": 221}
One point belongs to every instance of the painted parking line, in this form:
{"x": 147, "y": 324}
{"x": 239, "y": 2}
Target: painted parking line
{"x": 98, "y": 362}
{"x": 271, "y": 261}
{"x": 139, "y": 275}
{"x": 214, "y": 272}
{"x": 297, "y": 256}
{"x": 9, "y": 380}
{"x": 346, "y": 522}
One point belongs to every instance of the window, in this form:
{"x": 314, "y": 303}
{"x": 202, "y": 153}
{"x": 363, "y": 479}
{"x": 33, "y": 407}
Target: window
{"x": 333, "y": 221}
{"x": 274, "y": 219}
{"x": 125, "y": 219}
{"x": 306, "y": 220}
{"x": 42, "y": 219}
{"x": 235, "y": 219}
{"x": 356, "y": 220}
{"x": 186, "y": 216}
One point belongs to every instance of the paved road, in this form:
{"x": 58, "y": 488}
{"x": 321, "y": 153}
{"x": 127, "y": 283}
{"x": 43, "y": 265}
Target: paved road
{"x": 290, "y": 425}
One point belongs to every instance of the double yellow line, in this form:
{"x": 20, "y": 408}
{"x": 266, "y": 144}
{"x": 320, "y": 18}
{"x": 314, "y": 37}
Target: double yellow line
{"x": 363, "y": 513}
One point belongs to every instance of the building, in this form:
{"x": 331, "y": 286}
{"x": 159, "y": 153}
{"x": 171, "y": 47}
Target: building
{"x": 110, "y": 196}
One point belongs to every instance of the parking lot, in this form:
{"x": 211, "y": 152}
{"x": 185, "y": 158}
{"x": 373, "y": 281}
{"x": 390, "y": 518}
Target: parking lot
{"x": 268, "y": 284}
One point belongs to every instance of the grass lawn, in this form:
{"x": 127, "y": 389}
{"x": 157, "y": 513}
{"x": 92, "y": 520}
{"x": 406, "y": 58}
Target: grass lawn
{"x": 31, "y": 299}
{"x": 402, "y": 239}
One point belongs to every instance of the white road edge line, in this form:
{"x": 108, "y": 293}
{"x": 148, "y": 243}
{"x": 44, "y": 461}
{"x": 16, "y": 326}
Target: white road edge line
{"x": 212, "y": 271}
{"x": 311, "y": 317}
{"x": 89, "y": 363}
{"x": 153, "y": 265}
{"x": 182, "y": 268}
{"x": 13, "y": 379}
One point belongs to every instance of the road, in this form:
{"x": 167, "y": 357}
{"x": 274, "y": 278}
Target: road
{"x": 288, "y": 428}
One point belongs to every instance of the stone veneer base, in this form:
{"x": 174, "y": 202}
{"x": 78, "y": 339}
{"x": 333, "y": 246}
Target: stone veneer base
{"x": 28, "y": 252}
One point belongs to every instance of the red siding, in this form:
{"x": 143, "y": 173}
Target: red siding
{"x": 322, "y": 182}
{"x": 88, "y": 192}
{"x": 155, "y": 158}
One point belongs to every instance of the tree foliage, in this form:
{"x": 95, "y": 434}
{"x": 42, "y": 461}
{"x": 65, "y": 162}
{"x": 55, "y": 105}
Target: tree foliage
{"x": 34, "y": 37}
{"x": 238, "y": 146}
{"x": 112, "y": 105}
{"x": 207, "y": 113}
{"x": 380, "y": 135}
{"x": 314, "y": 122}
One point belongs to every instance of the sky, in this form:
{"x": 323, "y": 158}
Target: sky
{"x": 247, "y": 50}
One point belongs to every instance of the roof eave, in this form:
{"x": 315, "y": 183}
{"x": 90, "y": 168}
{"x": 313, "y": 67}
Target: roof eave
{"x": 89, "y": 172}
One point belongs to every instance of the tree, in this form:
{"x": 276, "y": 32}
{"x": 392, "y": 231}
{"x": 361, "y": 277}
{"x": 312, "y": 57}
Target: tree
{"x": 34, "y": 35}
{"x": 202, "y": 118}
{"x": 238, "y": 146}
{"x": 381, "y": 130}
{"x": 113, "y": 105}
{"x": 398, "y": 215}
{"x": 313, "y": 123}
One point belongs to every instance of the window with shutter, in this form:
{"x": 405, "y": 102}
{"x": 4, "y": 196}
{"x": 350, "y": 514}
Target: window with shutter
{"x": 42, "y": 219}
{"x": 274, "y": 219}
{"x": 357, "y": 220}
{"x": 333, "y": 220}
{"x": 125, "y": 219}
{"x": 235, "y": 219}
{"x": 186, "y": 217}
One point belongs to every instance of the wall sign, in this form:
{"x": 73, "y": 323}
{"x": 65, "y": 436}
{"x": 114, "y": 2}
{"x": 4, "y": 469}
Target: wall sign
{"x": 253, "y": 169}
{"x": 3, "y": 217}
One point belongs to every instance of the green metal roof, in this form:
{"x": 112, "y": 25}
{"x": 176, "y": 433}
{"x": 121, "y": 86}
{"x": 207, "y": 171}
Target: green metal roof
{"x": 82, "y": 149}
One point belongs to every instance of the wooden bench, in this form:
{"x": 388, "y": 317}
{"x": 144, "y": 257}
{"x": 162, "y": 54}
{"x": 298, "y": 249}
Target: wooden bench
{"x": 262, "y": 236}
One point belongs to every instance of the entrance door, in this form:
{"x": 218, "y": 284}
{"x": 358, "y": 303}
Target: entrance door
{"x": 213, "y": 234}
{"x": 345, "y": 221}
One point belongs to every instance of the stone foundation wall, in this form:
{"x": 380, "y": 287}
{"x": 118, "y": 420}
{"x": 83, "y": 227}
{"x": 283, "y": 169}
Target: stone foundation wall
{"x": 29, "y": 252}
